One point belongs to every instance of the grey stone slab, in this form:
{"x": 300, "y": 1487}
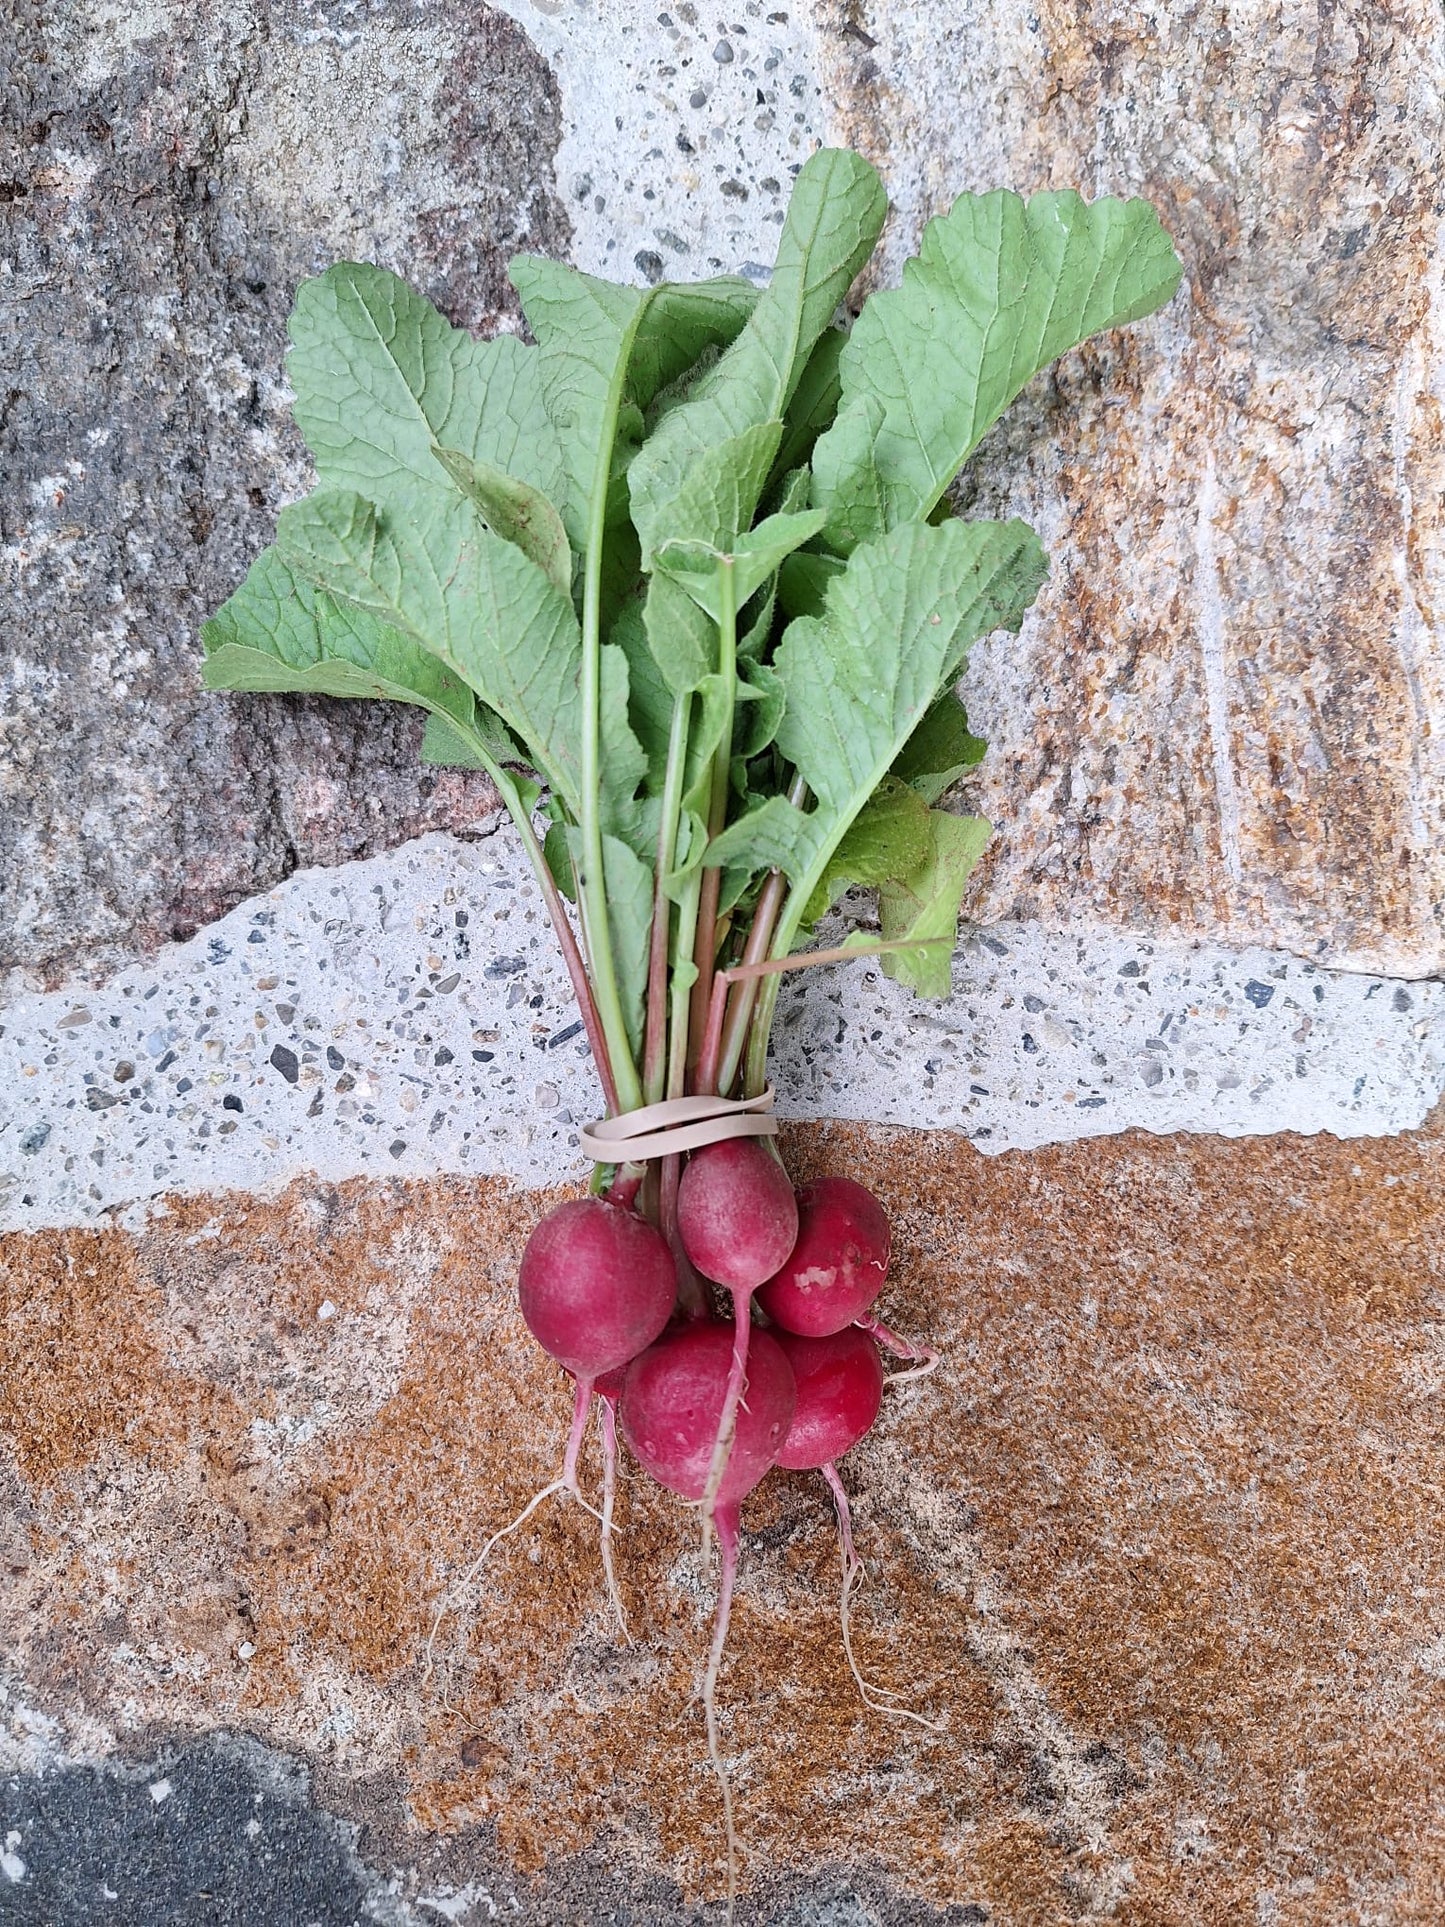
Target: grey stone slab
{"x": 166, "y": 178}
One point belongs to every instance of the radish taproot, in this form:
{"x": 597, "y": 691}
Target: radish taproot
{"x": 671, "y": 1412}
{"x": 839, "y": 1385}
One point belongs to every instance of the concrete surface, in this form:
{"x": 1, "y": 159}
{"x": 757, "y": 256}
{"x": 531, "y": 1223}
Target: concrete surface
{"x": 409, "y": 1015}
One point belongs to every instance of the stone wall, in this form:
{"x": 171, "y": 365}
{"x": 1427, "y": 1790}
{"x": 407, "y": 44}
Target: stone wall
{"x": 281, "y": 1038}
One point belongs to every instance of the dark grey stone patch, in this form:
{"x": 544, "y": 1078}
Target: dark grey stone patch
{"x": 222, "y": 1832}
{"x": 217, "y": 1833}
{"x": 163, "y": 195}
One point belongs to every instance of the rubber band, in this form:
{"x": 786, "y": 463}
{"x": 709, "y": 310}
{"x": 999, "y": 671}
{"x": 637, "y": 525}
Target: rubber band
{"x": 676, "y": 1125}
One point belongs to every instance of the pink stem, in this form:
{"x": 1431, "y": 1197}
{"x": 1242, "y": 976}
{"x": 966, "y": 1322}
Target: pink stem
{"x": 691, "y": 1293}
{"x": 740, "y": 1011}
{"x": 727, "y": 1534}
{"x": 727, "y": 1421}
{"x": 581, "y": 1406}
{"x": 707, "y": 1062}
{"x": 577, "y": 971}
{"x": 900, "y": 1348}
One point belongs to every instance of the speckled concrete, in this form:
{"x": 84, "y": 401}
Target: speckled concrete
{"x": 408, "y": 1015}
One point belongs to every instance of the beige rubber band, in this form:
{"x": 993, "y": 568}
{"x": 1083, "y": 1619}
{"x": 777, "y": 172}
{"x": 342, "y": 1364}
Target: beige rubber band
{"x": 676, "y": 1125}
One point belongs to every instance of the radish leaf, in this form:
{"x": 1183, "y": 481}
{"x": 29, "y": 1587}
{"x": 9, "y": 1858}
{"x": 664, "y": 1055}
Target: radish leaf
{"x": 926, "y": 903}
{"x": 514, "y": 510}
{"x": 999, "y": 289}
{"x": 476, "y": 602}
{"x": 381, "y": 377}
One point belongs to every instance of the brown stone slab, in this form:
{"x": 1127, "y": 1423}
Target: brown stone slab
{"x": 1227, "y": 717}
{"x": 1159, "y": 1546}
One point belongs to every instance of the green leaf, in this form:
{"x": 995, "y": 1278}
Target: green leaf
{"x": 896, "y": 626}
{"x": 939, "y": 751}
{"x": 803, "y": 582}
{"x": 1000, "y": 287}
{"x": 833, "y": 222}
{"x": 772, "y": 836}
{"x": 582, "y": 326}
{"x": 684, "y": 643}
{"x": 380, "y": 377}
{"x": 718, "y": 496}
{"x": 624, "y": 761}
{"x": 684, "y": 321}
{"x": 814, "y": 402}
{"x": 760, "y": 705}
{"x": 926, "y": 903}
{"x": 846, "y": 479}
{"x": 888, "y": 839}
{"x": 449, "y": 746}
{"x": 280, "y": 632}
{"x": 558, "y": 857}
{"x": 514, "y": 510}
{"x": 756, "y": 557}
{"x": 476, "y": 602}
{"x": 649, "y": 700}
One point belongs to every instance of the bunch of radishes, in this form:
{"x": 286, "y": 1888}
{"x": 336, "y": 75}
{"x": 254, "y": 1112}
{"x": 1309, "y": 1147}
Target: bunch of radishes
{"x": 707, "y": 1407}
{"x": 679, "y": 575}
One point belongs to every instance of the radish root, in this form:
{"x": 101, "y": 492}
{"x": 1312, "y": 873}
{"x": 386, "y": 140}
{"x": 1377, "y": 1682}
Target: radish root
{"x": 728, "y": 1418}
{"x": 928, "y": 1359}
{"x": 567, "y": 1482}
{"x": 608, "y": 1420}
{"x": 875, "y": 1698}
{"x": 727, "y": 1538}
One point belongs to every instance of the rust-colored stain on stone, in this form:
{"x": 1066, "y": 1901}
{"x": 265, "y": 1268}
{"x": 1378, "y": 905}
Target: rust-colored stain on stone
{"x": 1158, "y": 1548}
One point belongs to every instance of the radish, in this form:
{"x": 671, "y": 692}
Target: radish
{"x": 596, "y": 1285}
{"x": 839, "y": 1383}
{"x": 671, "y": 1412}
{"x": 838, "y": 1264}
{"x": 737, "y": 1219}
{"x": 502, "y": 582}
{"x": 839, "y": 1380}
{"x": 836, "y": 1270}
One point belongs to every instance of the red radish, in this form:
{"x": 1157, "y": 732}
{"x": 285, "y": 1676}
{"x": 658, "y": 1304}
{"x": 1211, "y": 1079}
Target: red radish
{"x": 737, "y": 1219}
{"x": 840, "y": 1388}
{"x": 736, "y": 1213}
{"x": 671, "y": 1405}
{"x": 674, "y": 1395}
{"x": 597, "y": 1285}
{"x": 838, "y": 1263}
